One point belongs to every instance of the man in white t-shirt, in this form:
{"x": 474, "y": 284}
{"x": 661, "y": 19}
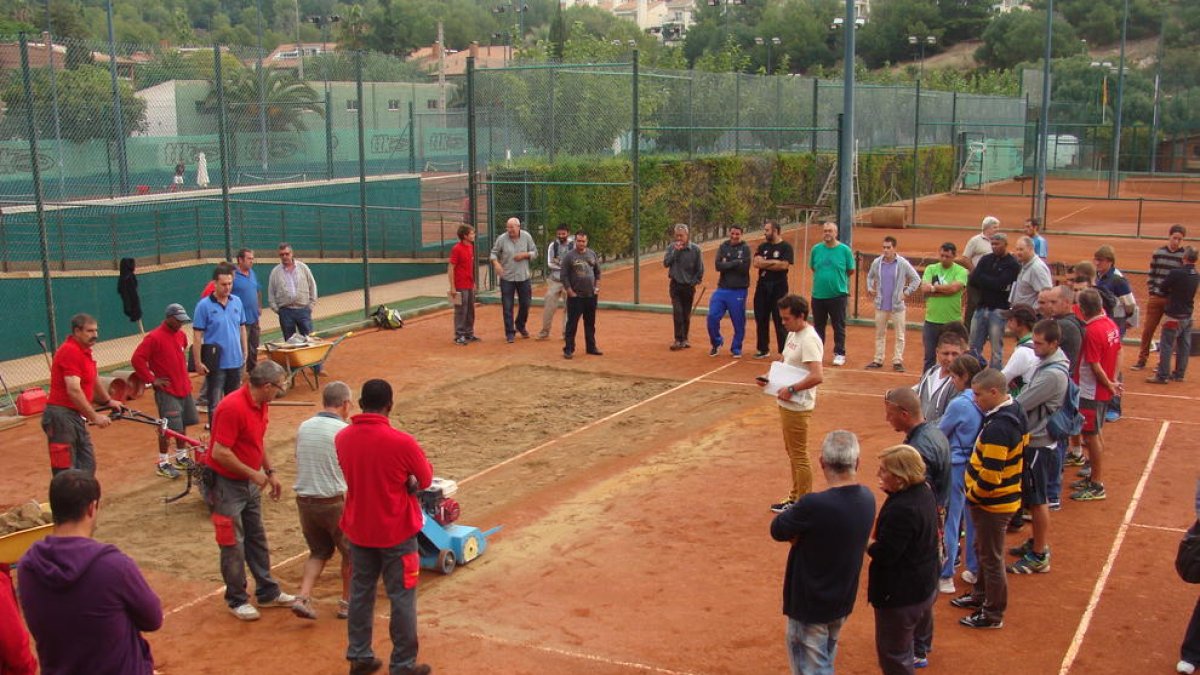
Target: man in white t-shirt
{"x": 803, "y": 349}
{"x": 1018, "y": 372}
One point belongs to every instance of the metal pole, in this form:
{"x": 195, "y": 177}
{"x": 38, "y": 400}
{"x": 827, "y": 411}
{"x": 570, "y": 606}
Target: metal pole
{"x": 846, "y": 159}
{"x": 1039, "y": 202}
{"x": 262, "y": 95}
{"x": 362, "y": 183}
{"x": 550, "y": 118}
{"x": 1157, "y": 95}
{"x": 737, "y": 113}
{"x": 636, "y": 187}
{"x": 1114, "y": 172}
{"x": 472, "y": 181}
{"x": 916, "y": 184}
{"x": 815, "y": 115}
{"x": 43, "y": 238}
{"x": 412, "y": 136}
{"x": 219, "y": 79}
{"x": 328, "y": 100}
{"x": 62, "y": 186}
{"x": 118, "y": 119}
{"x": 691, "y": 105}
{"x": 954, "y": 128}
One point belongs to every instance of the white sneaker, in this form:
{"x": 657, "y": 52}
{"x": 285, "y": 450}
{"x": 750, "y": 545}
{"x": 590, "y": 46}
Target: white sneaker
{"x": 1185, "y": 667}
{"x": 946, "y": 585}
{"x": 281, "y": 600}
{"x": 245, "y": 612}
{"x": 969, "y": 577}
{"x": 839, "y": 359}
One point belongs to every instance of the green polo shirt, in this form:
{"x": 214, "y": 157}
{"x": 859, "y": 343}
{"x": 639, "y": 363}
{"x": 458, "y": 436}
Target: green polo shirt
{"x": 831, "y": 266}
{"x": 941, "y": 309}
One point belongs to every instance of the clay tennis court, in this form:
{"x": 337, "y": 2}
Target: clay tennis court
{"x": 633, "y": 490}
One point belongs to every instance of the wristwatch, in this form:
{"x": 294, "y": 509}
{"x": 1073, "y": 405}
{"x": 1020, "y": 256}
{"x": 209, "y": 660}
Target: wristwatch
{"x": 791, "y": 390}
{"x": 269, "y": 472}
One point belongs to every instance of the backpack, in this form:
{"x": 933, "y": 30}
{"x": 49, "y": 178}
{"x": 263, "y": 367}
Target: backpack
{"x": 389, "y": 319}
{"x": 1066, "y": 421}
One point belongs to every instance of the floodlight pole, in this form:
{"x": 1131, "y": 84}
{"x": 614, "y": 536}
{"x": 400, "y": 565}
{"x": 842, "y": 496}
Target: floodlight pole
{"x": 846, "y": 141}
{"x": 1039, "y": 203}
{"x": 1114, "y": 172}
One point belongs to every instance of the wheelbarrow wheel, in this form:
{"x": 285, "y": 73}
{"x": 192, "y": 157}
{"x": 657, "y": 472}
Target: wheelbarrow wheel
{"x": 446, "y": 561}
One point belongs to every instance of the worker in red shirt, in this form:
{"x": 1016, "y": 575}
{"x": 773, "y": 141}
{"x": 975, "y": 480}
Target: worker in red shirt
{"x": 15, "y": 656}
{"x": 73, "y": 386}
{"x": 384, "y": 469}
{"x": 159, "y": 360}
{"x": 241, "y": 468}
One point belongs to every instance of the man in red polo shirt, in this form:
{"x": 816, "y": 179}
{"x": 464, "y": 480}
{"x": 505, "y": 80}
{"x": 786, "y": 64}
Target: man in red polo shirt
{"x": 73, "y": 387}
{"x": 1097, "y": 376}
{"x": 383, "y": 467}
{"x": 159, "y": 360}
{"x": 241, "y": 468}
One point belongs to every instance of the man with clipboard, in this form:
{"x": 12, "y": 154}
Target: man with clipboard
{"x": 793, "y": 382}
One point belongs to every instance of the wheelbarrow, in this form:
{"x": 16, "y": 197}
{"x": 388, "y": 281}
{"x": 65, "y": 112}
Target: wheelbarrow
{"x": 301, "y": 359}
{"x": 14, "y": 545}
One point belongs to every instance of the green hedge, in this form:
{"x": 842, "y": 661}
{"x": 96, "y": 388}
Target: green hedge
{"x": 708, "y": 193}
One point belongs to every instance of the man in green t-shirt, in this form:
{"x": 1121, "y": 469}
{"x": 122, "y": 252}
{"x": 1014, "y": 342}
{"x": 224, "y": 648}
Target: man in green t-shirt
{"x": 943, "y": 285}
{"x": 832, "y": 263}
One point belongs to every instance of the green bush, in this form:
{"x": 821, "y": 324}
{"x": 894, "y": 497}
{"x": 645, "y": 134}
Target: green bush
{"x": 708, "y": 193}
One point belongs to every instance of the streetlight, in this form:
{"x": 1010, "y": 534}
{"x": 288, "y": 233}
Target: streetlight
{"x": 724, "y": 4}
{"x": 838, "y": 22}
{"x": 768, "y": 42}
{"x": 849, "y": 23}
{"x": 919, "y": 43}
{"x": 519, "y": 11}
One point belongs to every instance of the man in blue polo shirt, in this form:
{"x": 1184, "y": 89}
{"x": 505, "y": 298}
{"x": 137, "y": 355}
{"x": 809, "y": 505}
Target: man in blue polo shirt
{"x": 219, "y": 347}
{"x": 245, "y": 287}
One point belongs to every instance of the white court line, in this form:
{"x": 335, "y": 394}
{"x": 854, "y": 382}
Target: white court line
{"x": 1174, "y": 396}
{"x": 819, "y": 390}
{"x": 1098, "y": 589}
{"x": 217, "y": 591}
{"x": 1079, "y": 210}
{"x": 1180, "y": 530}
{"x": 1154, "y": 419}
{"x": 581, "y": 655}
{"x": 593, "y": 423}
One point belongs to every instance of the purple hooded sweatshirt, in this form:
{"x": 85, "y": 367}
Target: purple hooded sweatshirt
{"x": 85, "y": 603}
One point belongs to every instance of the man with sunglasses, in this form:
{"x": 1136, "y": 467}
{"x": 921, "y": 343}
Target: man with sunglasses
{"x": 241, "y": 468}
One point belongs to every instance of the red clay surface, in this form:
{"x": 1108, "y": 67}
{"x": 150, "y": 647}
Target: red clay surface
{"x": 638, "y": 543}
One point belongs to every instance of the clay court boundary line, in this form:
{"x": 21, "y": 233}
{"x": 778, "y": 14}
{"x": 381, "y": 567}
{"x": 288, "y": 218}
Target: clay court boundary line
{"x": 1177, "y": 530}
{"x": 595, "y": 658}
{"x": 1079, "y": 210}
{"x": 593, "y": 423}
{"x": 1086, "y": 620}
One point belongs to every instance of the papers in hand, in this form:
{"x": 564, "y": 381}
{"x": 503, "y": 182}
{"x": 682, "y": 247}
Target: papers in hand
{"x": 782, "y": 376}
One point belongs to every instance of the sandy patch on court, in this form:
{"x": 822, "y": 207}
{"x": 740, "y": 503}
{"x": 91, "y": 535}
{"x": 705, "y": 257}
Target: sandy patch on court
{"x": 464, "y": 427}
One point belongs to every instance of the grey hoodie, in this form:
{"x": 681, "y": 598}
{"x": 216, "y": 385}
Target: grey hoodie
{"x": 1043, "y": 396}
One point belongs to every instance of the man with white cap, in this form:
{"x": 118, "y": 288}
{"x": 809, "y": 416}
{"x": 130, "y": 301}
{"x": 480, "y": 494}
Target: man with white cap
{"x": 159, "y": 360}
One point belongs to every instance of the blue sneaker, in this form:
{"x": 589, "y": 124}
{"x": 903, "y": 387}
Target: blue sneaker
{"x": 1112, "y": 416}
{"x": 920, "y": 662}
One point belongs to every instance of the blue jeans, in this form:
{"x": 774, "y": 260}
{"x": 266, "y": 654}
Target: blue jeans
{"x": 991, "y": 321}
{"x": 956, "y": 513}
{"x": 813, "y": 646}
{"x": 929, "y": 338}
{"x": 220, "y": 383}
{"x": 733, "y": 301}
{"x": 294, "y": 320}
{"x": 1177, "y": 338}
{"x": 523, "y": 292}
{"x": 368, "y": 564}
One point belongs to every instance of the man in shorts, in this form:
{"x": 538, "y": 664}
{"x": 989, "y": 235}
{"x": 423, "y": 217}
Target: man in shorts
{"x": 159, "y": 360}
{"x": 1098, "y": 384}
{"x": 1042, "y": 397}
{"x": 73, "y": 387}
{"x": 321, "y": 496}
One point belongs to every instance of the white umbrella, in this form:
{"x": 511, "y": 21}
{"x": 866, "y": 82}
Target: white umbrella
{"x": 202, "y": 170}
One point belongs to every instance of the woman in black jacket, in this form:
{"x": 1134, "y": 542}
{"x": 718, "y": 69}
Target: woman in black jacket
{"x": 902, "y": 582}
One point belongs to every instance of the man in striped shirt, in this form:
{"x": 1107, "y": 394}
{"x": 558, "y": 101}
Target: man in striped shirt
{"x": 320, "y": 496}
{"x": 993, "y": 484}
{"x": 1162, "y": 261}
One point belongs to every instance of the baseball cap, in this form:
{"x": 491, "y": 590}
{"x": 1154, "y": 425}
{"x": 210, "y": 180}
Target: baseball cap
{"x": 176, "y": 310}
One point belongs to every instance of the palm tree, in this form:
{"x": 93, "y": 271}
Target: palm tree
{"x": 285, "y": 98}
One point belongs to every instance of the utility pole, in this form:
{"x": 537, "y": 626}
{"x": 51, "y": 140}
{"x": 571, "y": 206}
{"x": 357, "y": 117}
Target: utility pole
{"x": 1114, "y": 173}
{"x": 299, "y": 46}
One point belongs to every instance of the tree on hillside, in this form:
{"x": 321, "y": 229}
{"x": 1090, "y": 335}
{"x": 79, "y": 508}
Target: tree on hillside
{"x": 885, "y": 37}
{"x": 1016, "y": 36}
{"x": 84, "y": 104}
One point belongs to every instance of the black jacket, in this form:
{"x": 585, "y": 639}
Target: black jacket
{"x": 904, "y": 555}
{"x": 127, "y": 288}
{"x": 994, "y": 276}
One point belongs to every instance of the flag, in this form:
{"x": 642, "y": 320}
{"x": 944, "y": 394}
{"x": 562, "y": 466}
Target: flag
{"x": 1104, "y": 93}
